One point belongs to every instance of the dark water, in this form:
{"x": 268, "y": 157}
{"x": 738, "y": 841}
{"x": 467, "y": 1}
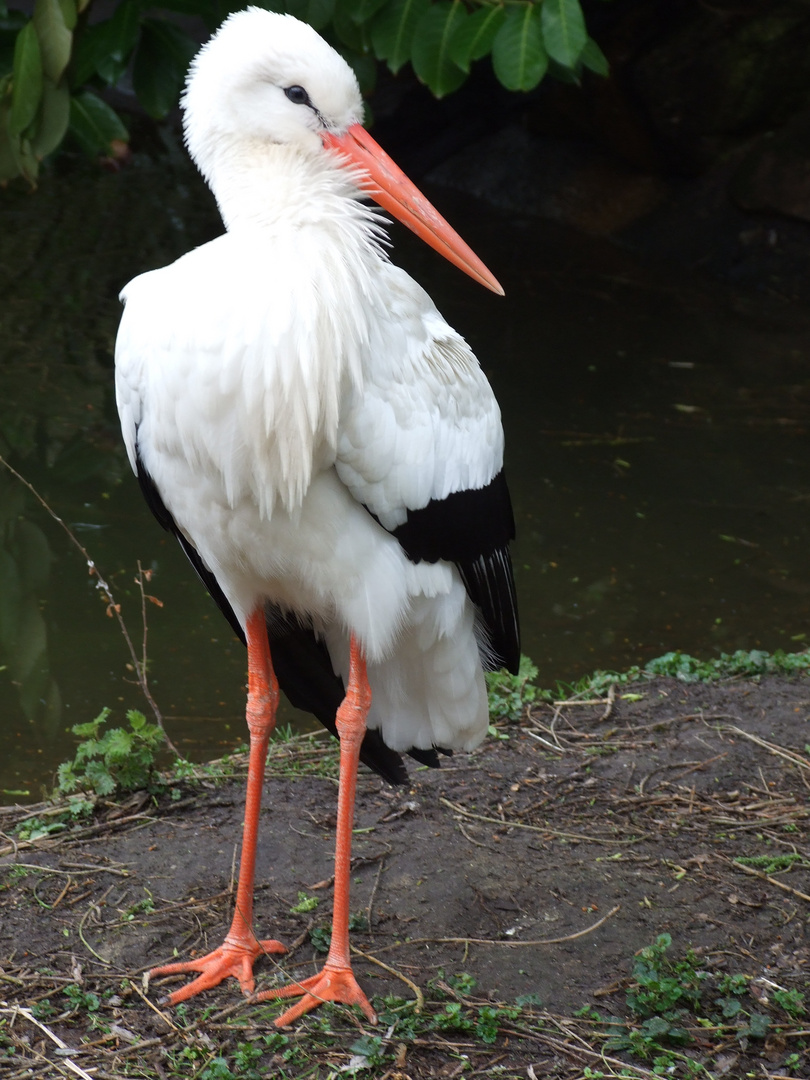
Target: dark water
{"x": 656, "y": 428}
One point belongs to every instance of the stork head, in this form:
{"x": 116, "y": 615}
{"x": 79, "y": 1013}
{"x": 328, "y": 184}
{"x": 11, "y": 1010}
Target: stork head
{"x": 266, "y": 78}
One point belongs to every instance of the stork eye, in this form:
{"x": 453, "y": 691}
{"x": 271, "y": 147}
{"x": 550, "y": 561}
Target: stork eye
{"x": 297, "y": 95}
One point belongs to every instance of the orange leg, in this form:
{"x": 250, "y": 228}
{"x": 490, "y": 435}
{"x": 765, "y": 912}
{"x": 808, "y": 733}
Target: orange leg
{"x": 235, "y": 956}
{"x": 336, "y": 981}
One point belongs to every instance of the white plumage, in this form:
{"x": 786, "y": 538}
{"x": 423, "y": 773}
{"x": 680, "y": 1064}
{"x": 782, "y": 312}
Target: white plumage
{"x": 290, "y": 399}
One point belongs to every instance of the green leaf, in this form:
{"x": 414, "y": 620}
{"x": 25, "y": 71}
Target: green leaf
{"x": 594, "y": 59}
{"x": 363, "y": 10}
{"x": 136, "y": 719}
{"x": 26, "y": 87}
{"x": 69, "y": 13}
{"x": 518, "y": 54}
{"x": 363, "y": 65}
{"x": 393, "y": 28}
{"x": 473, "y": 37}
{"x": 55, "y": 39}
{"x": 431, "y": 56}
{"x": 161, "y": 62}
{"x": 564, "y": 32}
{"x": 348, "y": 31}
{"x": 759, "y": 1025}
{"x": 66, "y": 778}
{"x": 117, "y": 745}
{"x": 105, "y": 48}
{"x": 318, "y": 13}
{"x": 99, "y": 777}
{"x": 94, "y": 125}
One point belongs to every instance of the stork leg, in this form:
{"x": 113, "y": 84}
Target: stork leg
{"x": 241, "y": 947}
{"x": 336, "y": 981}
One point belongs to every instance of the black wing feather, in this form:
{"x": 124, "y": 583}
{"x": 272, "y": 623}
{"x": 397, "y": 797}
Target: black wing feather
{"x": 473, "y": 529}
{"x": 300, "y": 659}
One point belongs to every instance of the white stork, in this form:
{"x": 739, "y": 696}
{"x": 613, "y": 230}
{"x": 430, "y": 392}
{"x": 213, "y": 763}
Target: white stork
{"x": 322, "y": 443}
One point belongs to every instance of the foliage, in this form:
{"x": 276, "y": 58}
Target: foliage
{"x": 56, "y": 66}
{"x": 747, "y": 664}
{"x": 305, "y": 904}
{"x": 508, "y": 695}
{"x": 82, "y": 999}
{"x": 670, "y": 999}
{"x": 118, "y": 760}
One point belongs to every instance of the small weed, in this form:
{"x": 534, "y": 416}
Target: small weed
{"x": 217, "y": 1069}
{"x": 372, "y": 1048}
{"x": 140, "y": 907}
{"x": 321, "y": 937}
{"x": 733, "y": 984}
{"x": 792, "y": 1001}
{"x": 118, "y": 760}
{"x": 454, "y": 1018}
{"x": 36, "y": 828}
{"x": 463, "y": 983}
{"x": 489, "y": 1020}
{"x": 183, "y": 769}
{"x": 662, "y": 984}
{"x": 43, "y": 1009}
{"x": 82, "y": 999}
{"x": 305, "y": 904}
{"x": 510, "y": 694}
{"x": 670, "y": 996}
{"x": 771, "y": 864}
{"x": 677, "y": 665}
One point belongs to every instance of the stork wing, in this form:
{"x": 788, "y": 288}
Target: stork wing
{"x": 300, "y": 659}
{"x": 421, "y": 447}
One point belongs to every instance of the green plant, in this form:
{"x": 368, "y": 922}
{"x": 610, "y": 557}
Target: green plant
{"x": 454, "y": 1018}
{"x": 43, "y": 1009}
{"x": 57, "y": 65}
{"x": 305, "y": 904}
{"x": 773, "y": 863}
{"x": 321, "y": 937}
{"x": 489, "y": 1019}
{"x": 372, "y": 1048}
{"x": 508, "y": 694}
{"x": 792, "y": 1001}
{"x": 663, "y": 984}
{"x": 82, "y": 999}
{"x": 118, "y": 760}
{"x": 663, "y": 992}
{"x": 462, "y": 982}
{"x": 35, "y": 828}
{"x": 140, "y": 907}
{"x": 677, "y": 665}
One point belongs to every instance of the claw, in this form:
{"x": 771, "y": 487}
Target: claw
{"x": 332, "y": 983}
{"x": 230, "y": 959}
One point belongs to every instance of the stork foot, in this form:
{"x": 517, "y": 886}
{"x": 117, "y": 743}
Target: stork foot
{"x": 332, "y": 983}
{"x": 234, "y": 958}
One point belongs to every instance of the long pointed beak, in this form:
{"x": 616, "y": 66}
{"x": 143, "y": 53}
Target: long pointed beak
{"x": 392, "y": 189}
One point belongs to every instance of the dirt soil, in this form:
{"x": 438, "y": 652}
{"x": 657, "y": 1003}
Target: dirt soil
{"x": 538, "y": 865}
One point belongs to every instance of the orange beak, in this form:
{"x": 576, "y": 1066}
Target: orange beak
{"x": 392, "y": 189}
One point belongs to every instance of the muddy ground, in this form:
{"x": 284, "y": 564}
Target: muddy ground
{"x": 538, "y": 865}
